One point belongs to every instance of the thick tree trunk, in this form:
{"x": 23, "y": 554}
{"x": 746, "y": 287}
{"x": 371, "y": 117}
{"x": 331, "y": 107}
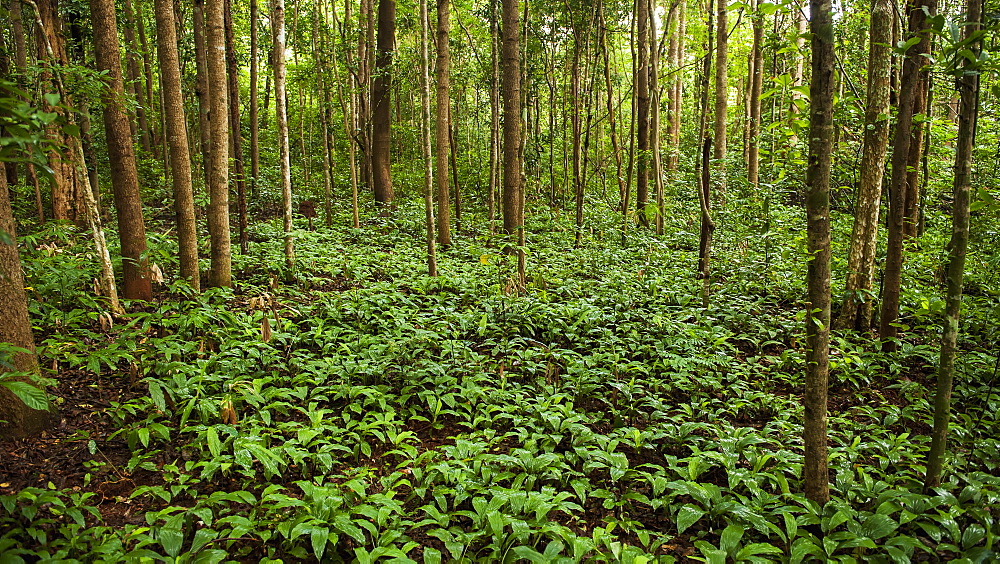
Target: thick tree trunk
{"x": 218, "y": 185}
{"x": 235, "y": 135}
{"x": 382, "y": 105}
{"x": 918, "y": 11}
{"x": 968, "y": 86}
{"x": 816, "y": 475}
{"x": 443, "y": 124}
{"x": 280, "y": 103}
{"x": 136, "y": 282}
{"x": 177, "y": 142}
{"x": 857, "y": 310}
{"x": 21, "y": 420}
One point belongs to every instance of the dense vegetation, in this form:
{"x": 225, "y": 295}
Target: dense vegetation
{"x": 371, "y": 412}
{"x": 595, "y": 306}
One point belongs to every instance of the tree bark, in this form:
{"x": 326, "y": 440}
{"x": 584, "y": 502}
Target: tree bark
{"x": 857, "y": 310}
{"x": 443, "y": 124}
{"x": 909, "y": 80}
{"x": 280, "y": 104}
{"x": 425, "y": 120}
{"x": 382, "y": 105}
{"x": 721, "y": 98}
{"x": 218, "y": 185}
{"x": 967, "y": 84}
{"x": 816, "y": 475}
{"x": 202, "y": 89}
{"x": 642, "y": 111}
{"x": 136, "y": 282}
{"x": 254, "y": 85}
{"x": 513, "y": 185}
{"x": 235, "y": 129}
{"x": 134, "y": 75}
{"x": 177, "y": 142}
{"x": 22, "y": 421}
{"x": 756, "y": 83}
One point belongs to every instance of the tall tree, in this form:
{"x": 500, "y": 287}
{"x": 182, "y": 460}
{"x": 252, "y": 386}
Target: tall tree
{"x": 510, "y": 81}
{"x": 642, "y": 110}
{"x": 425, "y": 123}
{"x": 856, "y": 312}
{"x": 202, "y": 88}
{"x": 967, "y": 84}
{"x": 136, "y": 283}
{"x": 17, "y": 420}
{"x": 177, "y": 141}
{"x": 218, "y": 180}
{"x": 756, "y": 83}
{"x": 235, "y": 135}
{"x": 382, "y": 104}
{"x": 817, "y": 478}
{"x": 132, "y": 66}
{"x": 443, "y": 123}
{"x": 917, "y": 11}
{"x": 254, "y": 110}
{"x": 280, "y": 104}
{"x": 721, "y": 97}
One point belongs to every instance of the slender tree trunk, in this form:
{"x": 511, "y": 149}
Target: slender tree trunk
{"x": 642, "y": 111}
{"x": 235, "y": 128}
{"x": 51, "y": 48}
{"x": 280, "y": 104}
{"x": 382, "y": 105}
{"x": 218, "y": 184}
{"x": 147, "y": 70}
{"x": 797, "y": 70}
{"x": 909, "y": 79}
{"x": 136, "y": 283}
{"x": 366, "y": 44}
{"x": 721, "y": 98}
{"x": 817, "y": 477}
{"x": 18, "y": 420}
{"x": 491, "y": 199}
{"x": 132, "y": 66}
{"x": 967, "y": 84}
{"x": 857, "y": 309}
{"x": 704, "y": 171}
{"x": 425, "y": 120}
{"x": 678, "y": 90}
{"x": 177, "y": 142}
{"x": 757, "y": 81}
{"x": 612, "y": 121}
{"x": 254, "y": 118}
{"x": 654, "y": 118}
{"x": 348, "y": 107}
{"x": 911, "y": 200}
{"x": 513, "y": 187}
{"x": 20, "y": 64}
{"x": 443, "y": 124}
{"x": 577, "y": 134}
{"x": 453, "y": 155}
{"x": 202, "y": 88}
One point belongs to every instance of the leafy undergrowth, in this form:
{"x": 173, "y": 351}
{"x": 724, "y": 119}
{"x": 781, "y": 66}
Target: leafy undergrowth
{"x": 366, "y": 412}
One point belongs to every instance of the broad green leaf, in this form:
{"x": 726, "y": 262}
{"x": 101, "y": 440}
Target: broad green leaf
{"x": 687, "y": 515}
{"x": 214, "y": 445}
{"x": 32, "y": 396}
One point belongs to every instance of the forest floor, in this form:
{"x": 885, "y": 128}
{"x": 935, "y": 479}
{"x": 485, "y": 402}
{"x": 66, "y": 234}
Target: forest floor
{"x": 361, "y": 411}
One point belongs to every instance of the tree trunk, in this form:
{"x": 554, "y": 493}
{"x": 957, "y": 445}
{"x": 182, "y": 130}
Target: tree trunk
{"x": 491, "y": 200}
{"x": 280, "y": 104}
{"x": 816, "y": 475}
{"x": 703, "y": 169}
{"x": 21, "y": 420}
{"x": 218, "y": 185}
{"x": 136, "y": 283}
{"x": 642, "y": 111}
{"x": 513, "y": 186}
{"x": 756, "y": 83}
{"x": 721, "y": 98}
{"x": 202, "y": 89}
{"x": 968, "y": 85}
{"x": 654, "y": 119}
{"x": 857, "y": 309}
{"x": 177, "y": 142}
{"x": 443, "y": 124}
{"x": 20, "y": 64}
{"x": 254, "y": 83}
{"x": 909, "y": 80}
{"x": 425, "y": 120}
{"x": 366, "y": 44}
{"x": 911, "y": 203}
{"x": 382, "y": 105}
{"x": 134, "y": 76}
{"x": 235, "y": 135}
